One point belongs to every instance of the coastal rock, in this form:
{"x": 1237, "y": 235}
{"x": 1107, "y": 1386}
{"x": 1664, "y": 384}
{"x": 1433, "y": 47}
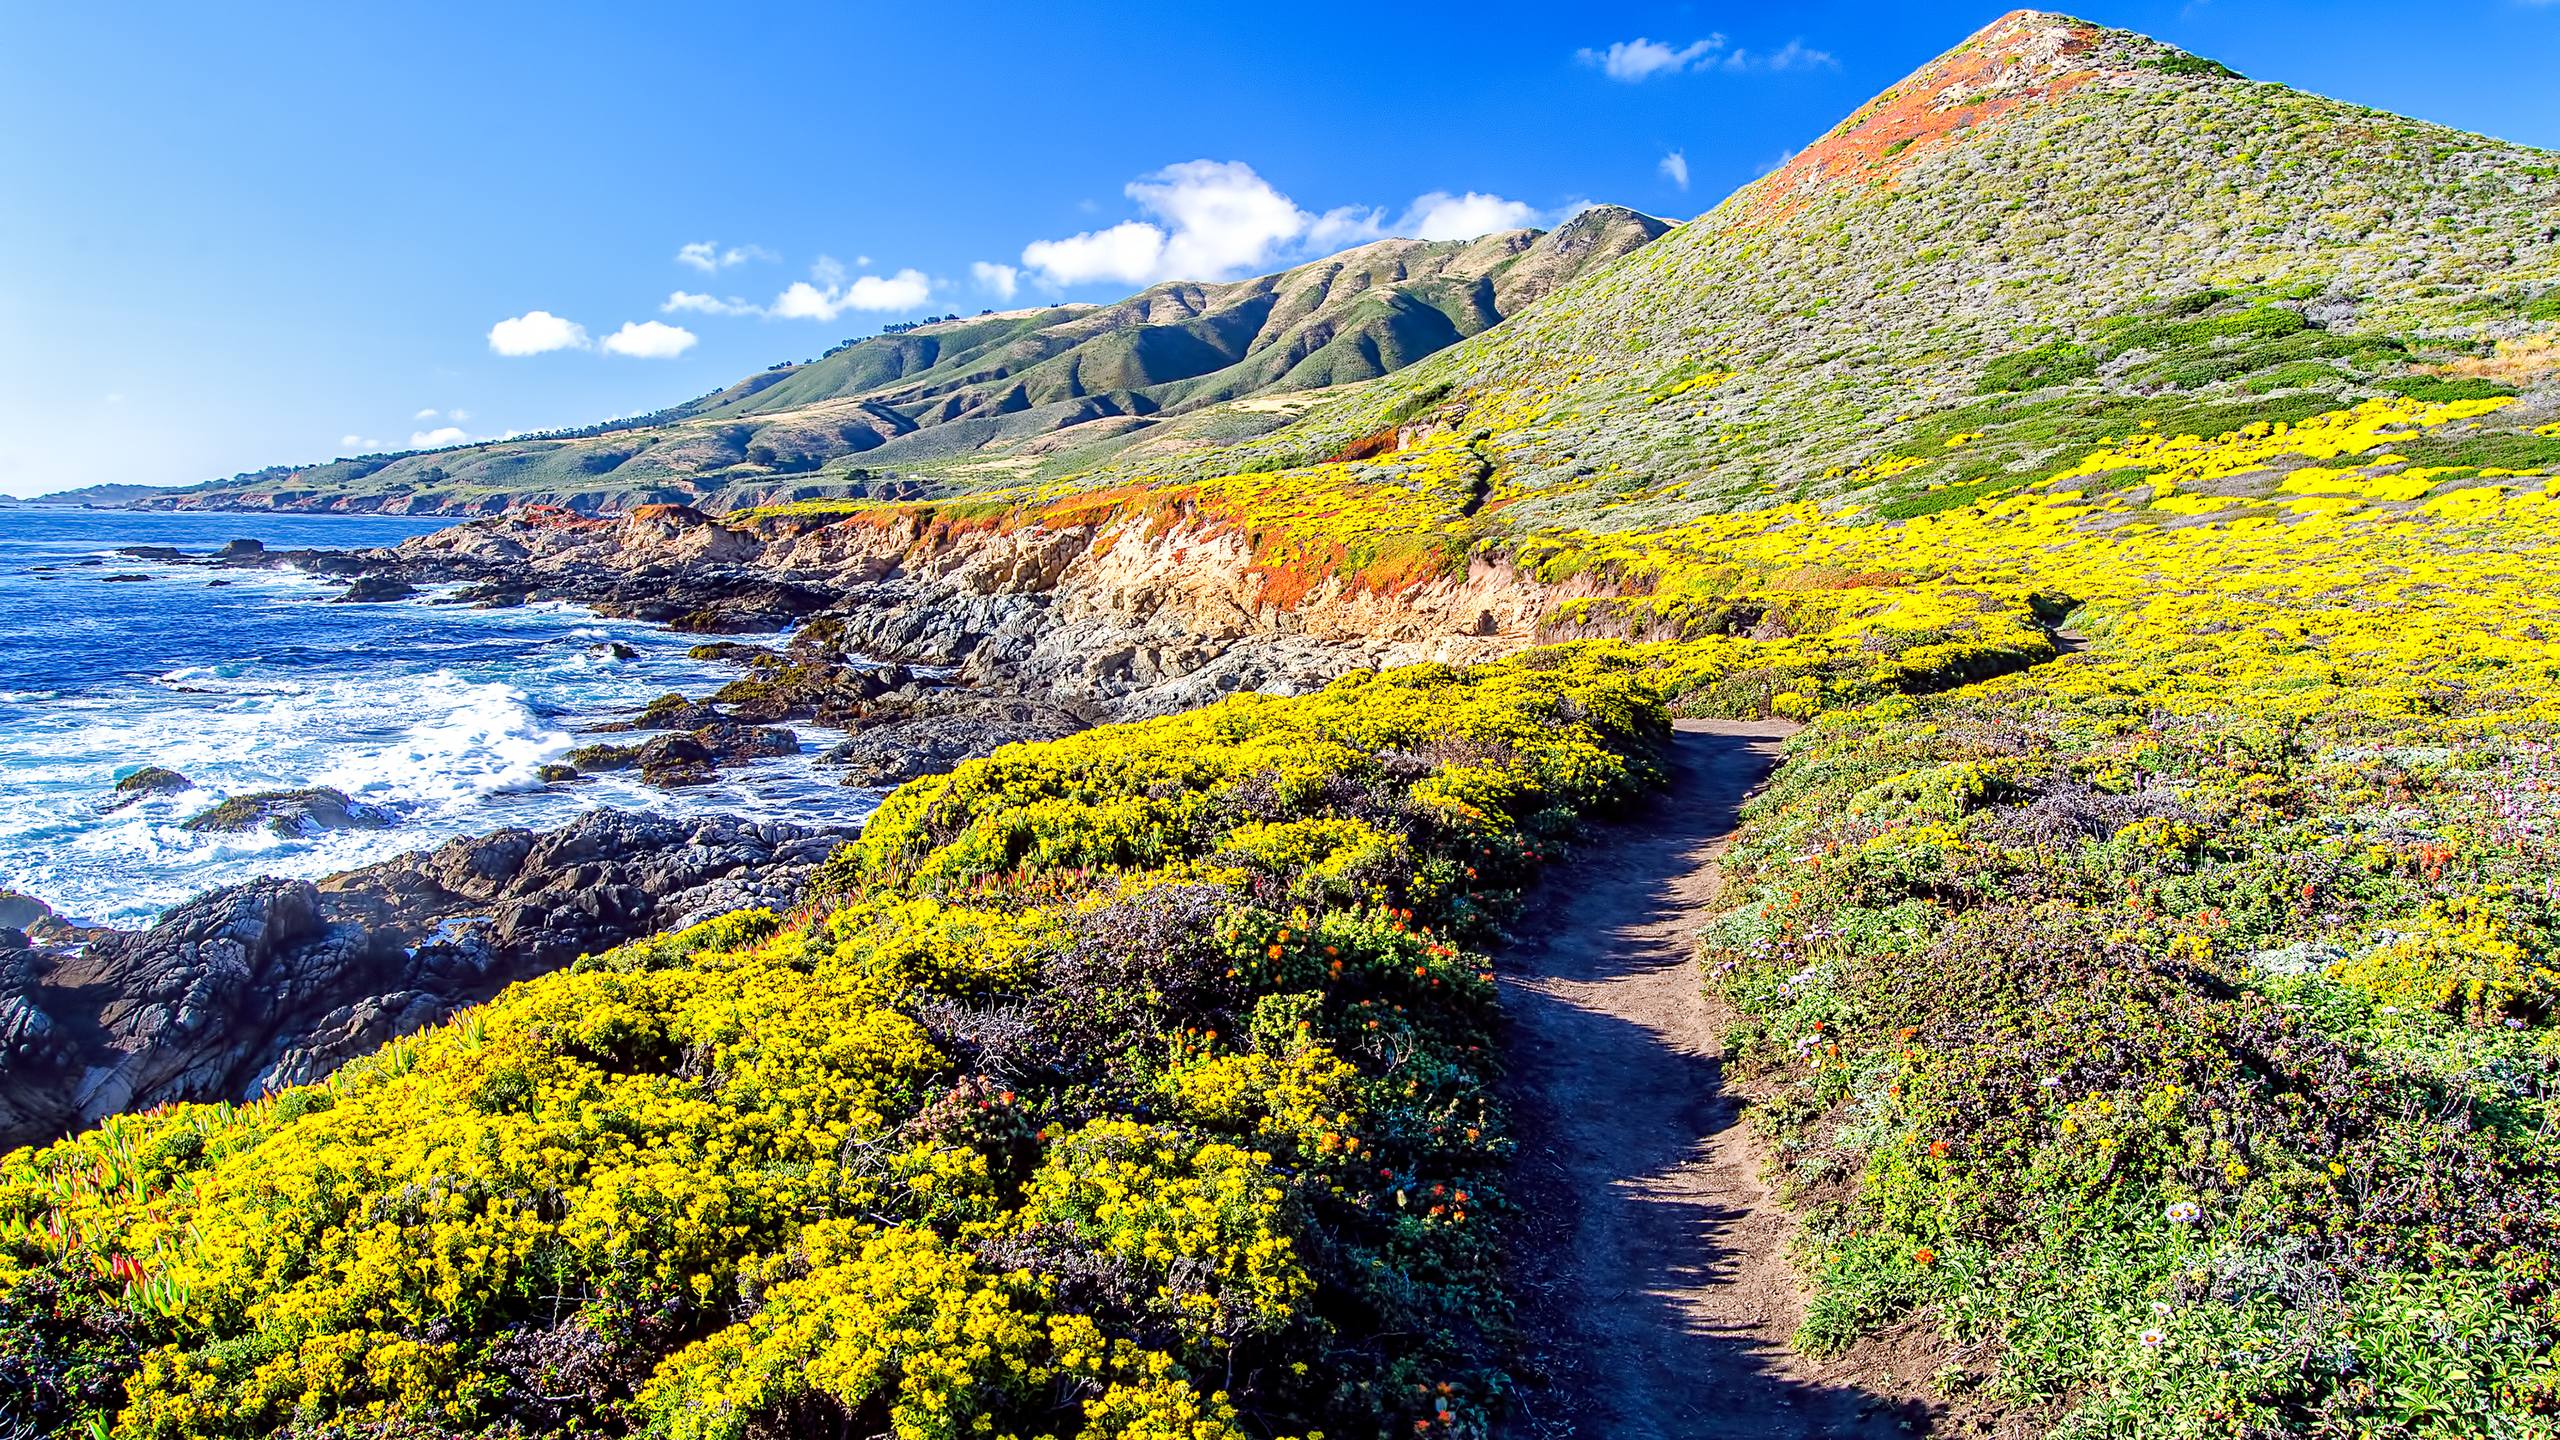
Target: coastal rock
{"x": 278, "y": 982}
{"x": 348, "y": 1032}
{"x": 894, "y": 619}
{"x": 596, "y": 759}
{"x": 147, "y": 782}
{"x": 674, "y": 712}
{"x": 375, "y": 590}
{"x": 730, "y": 743}
{"x": 28, "y": 1035}
{"x": 670, "y": 761}
{"x": 289, "y": 813}
{"x": 888, "y": 755}
{"x": 23, "y": 912}
{"x": 734, "y": 651}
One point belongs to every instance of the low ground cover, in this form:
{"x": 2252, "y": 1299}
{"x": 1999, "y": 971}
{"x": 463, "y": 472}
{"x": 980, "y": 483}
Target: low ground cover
{"x": 1132, "y": 1085}
{"x": 2171, "y": 1025}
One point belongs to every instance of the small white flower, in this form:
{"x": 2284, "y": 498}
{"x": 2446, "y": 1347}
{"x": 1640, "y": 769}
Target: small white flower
{"x": 2153, "y": 1339}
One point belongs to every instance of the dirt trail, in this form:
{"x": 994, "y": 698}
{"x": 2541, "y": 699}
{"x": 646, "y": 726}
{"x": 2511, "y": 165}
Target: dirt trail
{"x": 1655, "y": 1285}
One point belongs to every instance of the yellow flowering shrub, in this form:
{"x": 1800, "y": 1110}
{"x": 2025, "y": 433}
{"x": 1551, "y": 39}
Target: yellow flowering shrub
{"x": 898, "y": 1317}
{"x": 1072, "y": 1095}
{"x": 2465, "y": 955}
{"x": 1211, "y": 1224}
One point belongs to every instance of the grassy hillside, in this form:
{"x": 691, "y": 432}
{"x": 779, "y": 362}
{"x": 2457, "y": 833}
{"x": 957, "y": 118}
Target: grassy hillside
{"x": 944, "y": 405}
{"x": 2144, "y": 482}
{"x": 2005, "y": 246}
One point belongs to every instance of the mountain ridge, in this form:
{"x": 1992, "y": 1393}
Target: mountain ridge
{"x": 1089, "y": 378}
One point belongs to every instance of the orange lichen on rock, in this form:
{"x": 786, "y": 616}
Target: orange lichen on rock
{"x": 2024, "y": 58}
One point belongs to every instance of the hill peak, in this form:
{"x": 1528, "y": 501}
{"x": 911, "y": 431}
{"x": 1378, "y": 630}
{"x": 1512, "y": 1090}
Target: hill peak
{"x": 2024, "y": 59}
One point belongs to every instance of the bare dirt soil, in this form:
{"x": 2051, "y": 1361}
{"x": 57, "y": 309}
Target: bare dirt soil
{"x": 1651, "y": 1258}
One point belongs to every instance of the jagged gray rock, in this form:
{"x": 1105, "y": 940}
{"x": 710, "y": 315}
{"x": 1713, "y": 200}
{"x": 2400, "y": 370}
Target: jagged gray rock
{"x": 278, "y": 982}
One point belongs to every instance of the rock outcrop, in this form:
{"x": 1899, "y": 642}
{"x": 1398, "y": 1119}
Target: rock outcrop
{"x": 149, "y": 781}
{"x": 289, "y": 813}
{"x": 278, "y": 982}
{"x": 1098, "y": 620}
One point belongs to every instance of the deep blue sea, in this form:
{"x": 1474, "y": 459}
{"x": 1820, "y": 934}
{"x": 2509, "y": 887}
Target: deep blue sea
{"x": 439, "y": 713}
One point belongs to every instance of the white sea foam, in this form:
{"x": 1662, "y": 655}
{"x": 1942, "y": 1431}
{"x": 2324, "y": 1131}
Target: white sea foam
{"x": 441, "y": 715}
{"x": 472, "y": 741}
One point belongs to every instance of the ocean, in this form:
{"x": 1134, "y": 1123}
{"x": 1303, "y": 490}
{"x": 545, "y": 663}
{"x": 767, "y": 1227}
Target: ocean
{"x": 440, "y": 715}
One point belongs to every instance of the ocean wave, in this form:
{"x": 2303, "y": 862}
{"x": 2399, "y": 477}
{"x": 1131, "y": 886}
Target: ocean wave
{"x": 441, "y": 715}
{"x": 242, "y": 678}
{"x": 473, "y": 740}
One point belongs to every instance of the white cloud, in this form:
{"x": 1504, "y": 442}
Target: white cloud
{"x": 1640, "y": 59}
{"x": 707, "y": 256}
{"x": 1675, "y": 168}
{"x": 534, "y": 332}
{"x": 1345, "y": 226}
{"x": 700, "y": 304}
{"x": 1131, "y": 252}
{"x": 648, "y": 340}
{"x": 1633, "y": 62}
{"x": 1225, "y": 217}
{"x": 997, "y": 280}
{"x": 832, "y": 293}
{"x": 427, "y": 414}
{"x": 1219, "y": 218}
{"x": 359, "y": 443}
{"x": 457, "y": 414}
{"x": 1443, "y": 216}
{"x": 1212, "y": 220}
{"x": 437, "y": 438}
{"x": 1794, "y": 55}
{"x": 829, "y": 292}
{"x": 903, "y": 291}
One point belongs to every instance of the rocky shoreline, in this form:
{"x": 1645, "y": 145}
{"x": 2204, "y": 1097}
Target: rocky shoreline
{"x": 929, "y": 648}
{"x": 925, "y": 639}
{"x": 274, "y": 983}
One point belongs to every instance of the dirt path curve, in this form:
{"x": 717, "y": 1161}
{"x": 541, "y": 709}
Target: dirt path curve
{"x": 1655, "y": 1285}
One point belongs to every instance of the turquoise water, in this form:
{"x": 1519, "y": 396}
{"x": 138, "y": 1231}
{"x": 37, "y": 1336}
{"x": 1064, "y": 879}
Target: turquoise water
{"x": 439, "y": 714}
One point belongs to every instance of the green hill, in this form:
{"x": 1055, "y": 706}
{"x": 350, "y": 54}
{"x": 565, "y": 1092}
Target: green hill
{"x": 1036, "y": 389}
{"x": 2052, "y": 233}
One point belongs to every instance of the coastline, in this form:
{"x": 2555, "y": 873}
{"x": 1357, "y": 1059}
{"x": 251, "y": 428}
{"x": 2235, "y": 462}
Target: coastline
{"x": 274, "y": 981}
{"x": 927, "y": 650}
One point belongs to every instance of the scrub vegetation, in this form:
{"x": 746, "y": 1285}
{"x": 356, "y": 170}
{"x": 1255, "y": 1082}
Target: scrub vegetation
{"x": 2144, "y": 482}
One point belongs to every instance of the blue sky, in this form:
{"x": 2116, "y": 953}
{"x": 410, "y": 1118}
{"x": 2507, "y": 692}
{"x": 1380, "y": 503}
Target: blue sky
{"x": 233, "y": 236}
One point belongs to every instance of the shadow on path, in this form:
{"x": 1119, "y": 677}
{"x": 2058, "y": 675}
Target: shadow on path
{"x": 1656, "y": 1292}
